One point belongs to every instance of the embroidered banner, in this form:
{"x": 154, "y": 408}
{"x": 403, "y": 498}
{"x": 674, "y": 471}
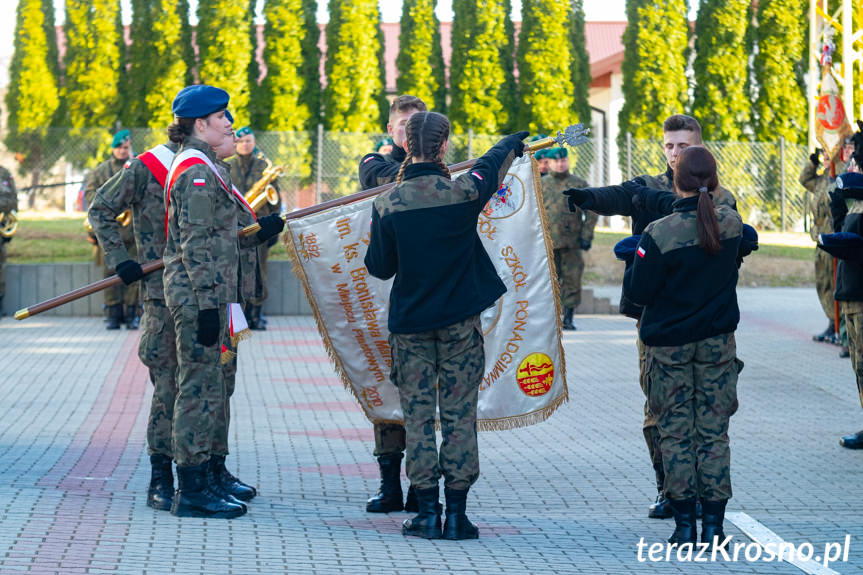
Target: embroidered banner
{"x": 525, "y": 374}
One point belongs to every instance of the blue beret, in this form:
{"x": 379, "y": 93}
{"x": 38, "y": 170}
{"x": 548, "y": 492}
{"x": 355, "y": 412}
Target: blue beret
{"x": 199, "y": 101}
{"x": 556, "y": 153}
{"x": 850, "y": 181}
{"x": 624, "y": 250}
{"x": 121, "y": 138}
{"x": 230, "y": 117}
{"x": 749, "y": 234}
{"x": 842, "y": 245}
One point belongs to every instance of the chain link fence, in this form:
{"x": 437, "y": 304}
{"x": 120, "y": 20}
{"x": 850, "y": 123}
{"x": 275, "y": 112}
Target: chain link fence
{"x": 322, "y": 165}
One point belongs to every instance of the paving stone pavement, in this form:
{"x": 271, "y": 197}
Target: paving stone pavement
{"x": 566, "y": 496}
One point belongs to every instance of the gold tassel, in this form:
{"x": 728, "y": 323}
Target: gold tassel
{"x": 240, "y": 336}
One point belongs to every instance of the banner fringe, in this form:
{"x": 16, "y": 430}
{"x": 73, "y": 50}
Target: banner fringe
{"x": 299, "y": 271}
{"x": 240, "y": 336}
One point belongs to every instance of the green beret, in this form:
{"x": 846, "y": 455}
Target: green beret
{"x": 244, "y": 131}
{"x": 121, "y": 138}
{"x": 538, "y": 137}
{"x": 384, "y": 142}
{"x": 556, "y": 153}
{"x": 540, "y": 154}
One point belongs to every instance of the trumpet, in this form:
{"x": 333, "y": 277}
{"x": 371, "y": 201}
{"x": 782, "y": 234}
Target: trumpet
{"x": 124, "y": 220}
{"x": 8, "y": 224}
{"x": 263, "y": 190}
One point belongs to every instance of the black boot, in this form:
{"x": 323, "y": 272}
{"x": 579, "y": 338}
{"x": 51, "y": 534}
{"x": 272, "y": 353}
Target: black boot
{"x": 853, "y": 441}
{"x": 218, "y": 484}
{"x": 160, "y": 492}
{"x": 228, "y": 482}
{"x": 567, "y": 319}
{"x": 194, "y": 498}
{"x": 711, "y": 524}
{"x": 661, "y": 508}
{"x": 259, "y": 318}
{"x": 132, "y": 319}
{"x": 685, "y": 530}
{"x": 826, "y": 335}
{"x": 115, "y": 316}
{"x": 457, "y": 525}
{"x": 426, "y": 523}
{"x": 413, "y": 506}
{"x": 254, "y": 318}
{"x": 389, "y": 496}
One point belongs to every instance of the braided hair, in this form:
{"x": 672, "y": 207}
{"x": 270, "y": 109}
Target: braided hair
{"x": 425, "y": 134}
{"x": 695, "y": 172}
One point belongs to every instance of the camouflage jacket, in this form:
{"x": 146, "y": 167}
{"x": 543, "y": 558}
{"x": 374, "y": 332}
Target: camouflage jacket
{"x": 134, "y": 187}
{"x": 245, "y": 171}
{"x": 98, "y": 178}
{"x": 8, "y": 192}
{"x": 248, "y": 270}
{"x": 688, "y": 295}
{"x": 567, "y": 229}
{"x": 202, "y": 251}
{"x": 819, "y": 187}
{"x": 379, "y": 169}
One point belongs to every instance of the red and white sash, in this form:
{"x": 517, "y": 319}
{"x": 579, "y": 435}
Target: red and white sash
{"x": 158, "y": 161}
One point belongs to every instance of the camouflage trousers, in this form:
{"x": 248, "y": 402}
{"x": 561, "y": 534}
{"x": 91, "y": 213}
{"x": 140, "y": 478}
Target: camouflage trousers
{"x": 692, "y": 389}
{"x": 389, "y": 439}
{"x": 200, "y": 388}
{"x": 569, "y": 264}
{"x": 824, "y": 284}
{"x": 220, "y": 434}
{"x": 158, "y": 352}
{"x": 853, "y": 312}
{"x": 648, "y": 428}
{"x": 261, "y": 293}
{"x": 442, "y": 366}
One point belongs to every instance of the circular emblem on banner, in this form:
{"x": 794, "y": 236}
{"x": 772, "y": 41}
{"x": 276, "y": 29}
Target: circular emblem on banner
{"x": 830, "y": 112}
{"x": 535, "y": 374}
{"x": 507, "y": 200}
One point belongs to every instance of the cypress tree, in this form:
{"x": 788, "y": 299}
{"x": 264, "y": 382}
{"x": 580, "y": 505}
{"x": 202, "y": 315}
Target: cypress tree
{"x": 290, "y": 94}
{"x": 32, "y": 102}
{"x": 420, "y": 60}
{"x": 483, "y": 96}
{"x": 254, "y": 72}
{"x": 188, "y": 50}
{"x": 168, "y": 69}
{"x": 225, "y": 51}
{"x": 580, "y": 68}
{"x": 92, "y": 63}
{"x": 721, "y": 103}
{"x": 544, "y": 66}
{"x": 140, "y": 61}
{"x": 780, "y": 109}
{"x": 654, "y": 67}
{"x": 463, "y": 11}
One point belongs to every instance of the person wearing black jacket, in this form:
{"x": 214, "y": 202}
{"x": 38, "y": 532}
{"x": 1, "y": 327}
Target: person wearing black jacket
{"x": 376, "y": 170}
{"x": 684, "y": 273}
{"x": 424, "y": 234}
{"x": 679, "y": 132}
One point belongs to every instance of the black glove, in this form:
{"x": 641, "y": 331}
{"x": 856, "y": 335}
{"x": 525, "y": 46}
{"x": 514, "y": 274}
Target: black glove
{"x": 815, "y": 157}
{"x": 578, "y": 198}
{"x": 271, "y": 225}
{"x": 129, "y": 271}
{"x": 208, "y": 327}
{"x": 515, "y": 141}
{"x": 585, "y": 244}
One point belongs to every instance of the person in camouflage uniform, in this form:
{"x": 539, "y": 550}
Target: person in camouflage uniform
{"x": 679, "y": 132}
{"x": 247, "y": 167}
{"x": 115, "y": 296}
{"x": 202, "y": 258}
{"x": 571, "y": 231}
{"x": 684, "y": 273}
{"x": 8, "y": 204}
{"x": 136, "y": 187}
{"x": 423, "y": 232}
{"x": 375, "y": 170}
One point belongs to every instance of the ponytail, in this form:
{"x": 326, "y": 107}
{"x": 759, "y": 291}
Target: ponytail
{"x": 181, "y": 129}
{"x": 706, "y": 224}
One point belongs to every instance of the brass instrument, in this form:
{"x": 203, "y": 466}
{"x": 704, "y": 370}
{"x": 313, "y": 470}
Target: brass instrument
{"x": 124, "y": 219}
{"x": 8, "y": 224}
{"x": 263, "y": 190}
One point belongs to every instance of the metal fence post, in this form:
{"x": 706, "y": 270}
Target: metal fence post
{"x": 319, "y": 165}
{"x": 470, "y": 144}
{"x": 782, "y": 178}
{"x": 628, "y": 156}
